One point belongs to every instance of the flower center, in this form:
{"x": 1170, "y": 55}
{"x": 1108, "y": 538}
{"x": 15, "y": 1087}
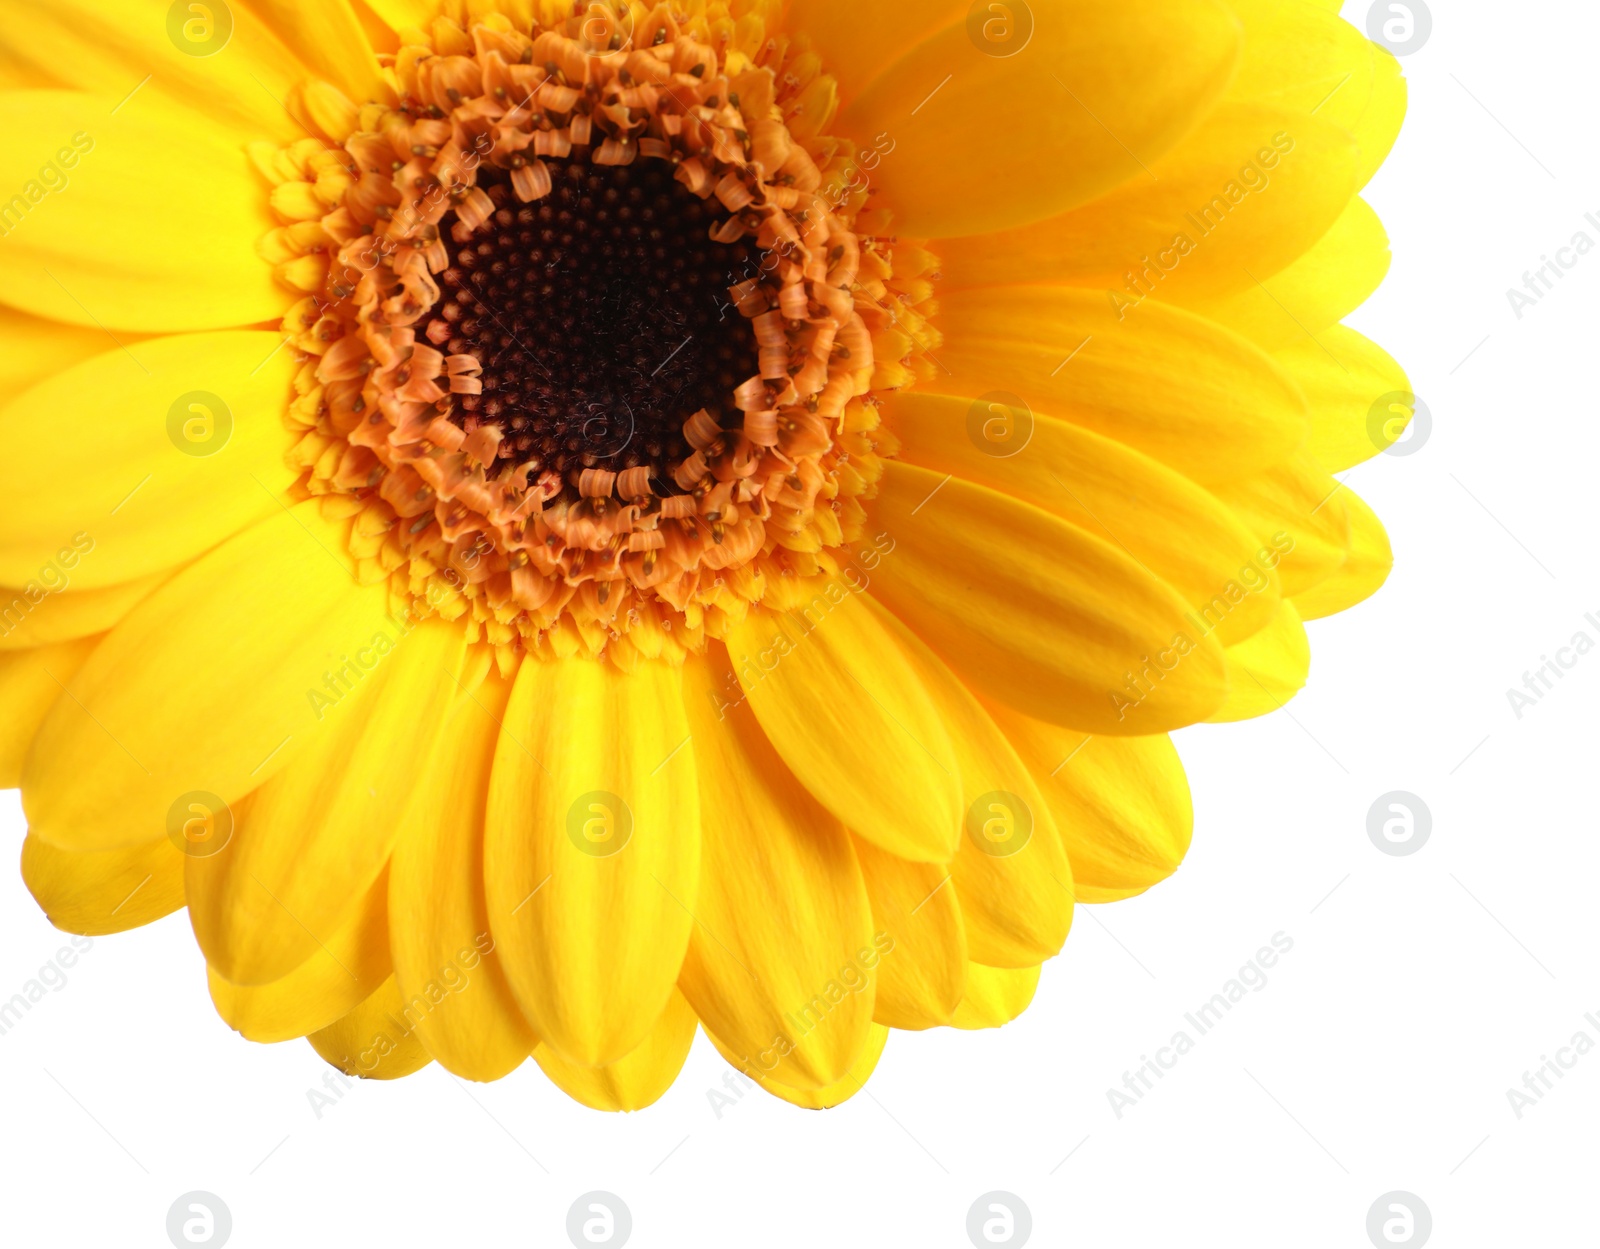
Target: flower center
{"x": 600, "y": 318}
{"x": 592, "y": 326}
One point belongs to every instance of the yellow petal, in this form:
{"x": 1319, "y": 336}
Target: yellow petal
{"x": 852, "y": 1083}
{"x": 1380, "y": 122}
{"x": 443, "y": 949}
{"x": 1010, "y": 872}
{"x": 637, "y": 1079}
{"x": 833, "y": 674}
{"x": 1365, "y": 568}
{"x": 206, "y": 686}
{"x": 317, "y": 835}
{"x": 328, "y": 38}
{"x": 31, "y": 682}
{"x": 190, "y": 447}
{"x": 1317, "y": 291}
{"x": 157, "y": 230}
{"x": 37, "y": 349}
{"x": 1158, "y": 517}
{"x": 1299, "y": 57}
{"x": 919, "y": 938}
{"x": 783, "y": 927}
{"x": 404, "y": 15}
{"x": 373, "y": 1041}
{"x": 1246, "y": 194}
{"x": 330, "y": 984}
{"x": 35, "y": 615}
{"x": 151, "y": 51}
{"x": 1122, "y": 804}
{"x": 1346, "y": 378}
{"x": 592, "y": 856}
{"x": 105, "y": 892}
{"x": 1029, "y": 609}
{"x": 1176, "y": 387}
{"x": 995, "y": 996}
{"x": 1267, "y": 670}
{"x": 984, "y": 142}
{"x": 1298, "y": 512}
{"x": 857, "y": 42}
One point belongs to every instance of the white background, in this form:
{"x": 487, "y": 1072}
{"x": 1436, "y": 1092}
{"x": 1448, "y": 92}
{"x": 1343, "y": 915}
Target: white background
{"x": 1377, "y": 1058}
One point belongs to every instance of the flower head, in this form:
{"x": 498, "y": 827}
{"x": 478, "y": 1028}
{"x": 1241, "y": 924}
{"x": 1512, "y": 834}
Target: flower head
{"x": 551, "y": 525}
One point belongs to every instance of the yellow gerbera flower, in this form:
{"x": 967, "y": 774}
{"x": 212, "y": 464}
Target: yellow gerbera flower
{"x": 546, "y": 525}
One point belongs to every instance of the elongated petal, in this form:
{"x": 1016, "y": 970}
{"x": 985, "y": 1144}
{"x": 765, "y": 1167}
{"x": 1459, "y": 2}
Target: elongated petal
{"x": 31, "y": 683}
{"x": 336, "y": 979}
{"x": 1010, "y": 872}
{"x": 858, "y": 42}
{"x": 211, "y": 685}
{"x": 1172, "y": 385}
{"x": 36, "y": 615}
{"x": 373, "y": 1041}
{"x": 1298, "y": 511}
{"x": 158, "y": 230}
{"x": 1122, "y": 804}
{"x": 403, "y": 15}
{"x": 190, "y": 445}
{"x": 782, "y": 918}
{"x": 37, "y": 348}
{"x": 852, "y": 1082}
{"x": 1317, "y": 291}
{"x": 1035, "y": 611}
{"x": 1244, "y": 195}
{"x": 1365, "y": 568}
{"x": 1346, "y": 379}
{"x": 919, "y": 937}
{"x": 440, "y": 932}
{"x": 1172, "y": 527}
{"x": 983, "y": 141}
{"x": 134, "y": 52}
{"x": 1267, "y": 670}
{"x": 831, "y": 674}
{"x": 106, "y": 891}
{"x": 637, "y": 1079}
{"x": 1304, "y": 57}
{"x": 995, "y": 996}
{"x": 592, "y": 852}
{"x": 317, "y": 835}
{"x": 328, "y": 38}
